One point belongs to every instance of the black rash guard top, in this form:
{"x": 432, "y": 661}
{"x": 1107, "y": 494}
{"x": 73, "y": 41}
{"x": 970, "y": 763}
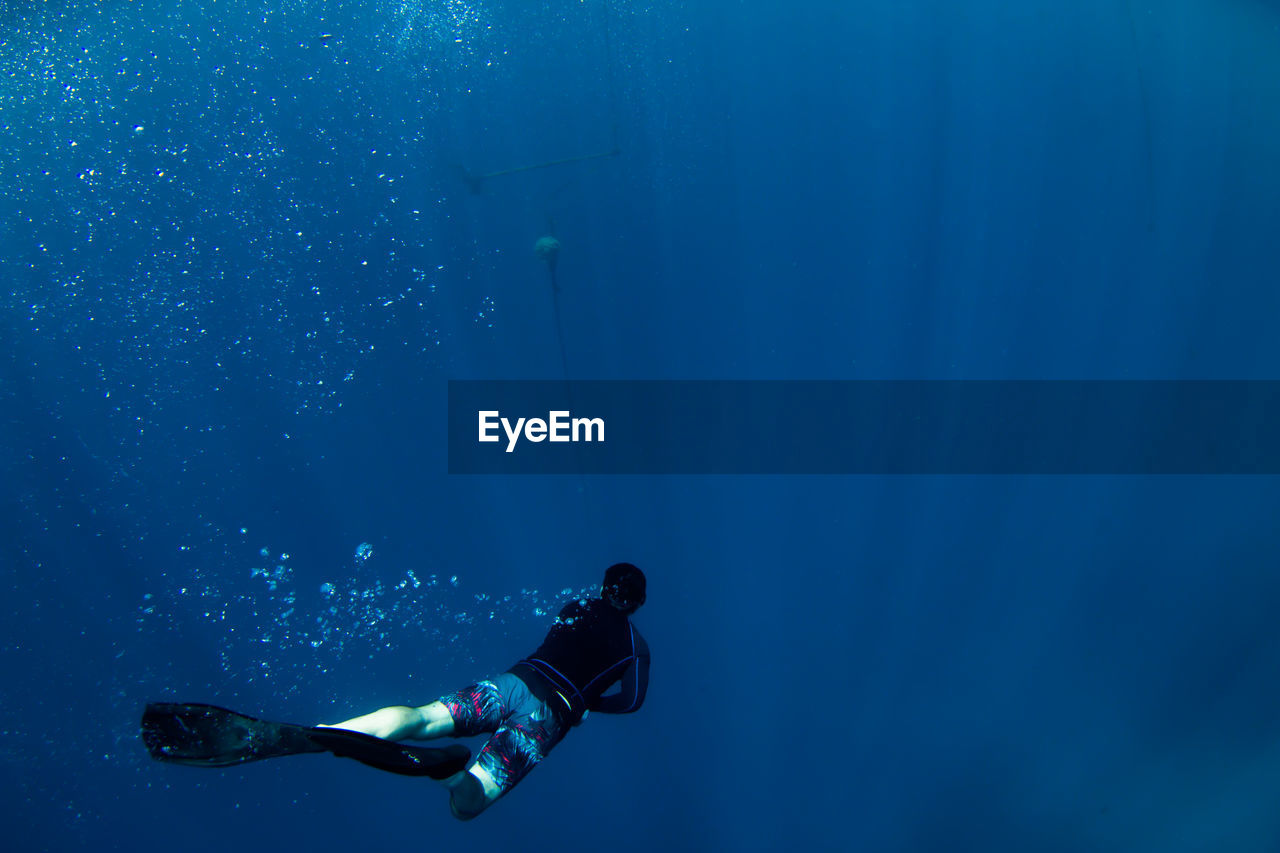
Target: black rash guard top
{"x": 591, "y": 647}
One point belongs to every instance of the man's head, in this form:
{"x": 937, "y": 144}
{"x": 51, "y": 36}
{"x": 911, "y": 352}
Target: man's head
{"x": 623, "y": 587}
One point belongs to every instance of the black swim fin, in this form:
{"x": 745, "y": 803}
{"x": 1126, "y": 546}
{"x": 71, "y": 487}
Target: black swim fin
{"x": 208, "y": 736}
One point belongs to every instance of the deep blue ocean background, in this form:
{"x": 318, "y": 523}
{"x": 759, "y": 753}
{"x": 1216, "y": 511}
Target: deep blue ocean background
{"x": 240, "y": 264}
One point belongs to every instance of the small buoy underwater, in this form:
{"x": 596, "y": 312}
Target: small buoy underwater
{"x": 548, "y": 249}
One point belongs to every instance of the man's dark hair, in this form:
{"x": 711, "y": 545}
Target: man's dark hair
{"x": 624, "y": 584}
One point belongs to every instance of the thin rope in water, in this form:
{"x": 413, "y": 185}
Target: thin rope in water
{"x": 1146, "y": 119}
{"x": 555, "y": 300}
{"x": 606, "y": 25}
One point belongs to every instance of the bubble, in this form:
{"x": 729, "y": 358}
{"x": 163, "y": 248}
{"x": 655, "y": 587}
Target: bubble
{"x": 327, "y": 589}
{"x": 363, "y": 552}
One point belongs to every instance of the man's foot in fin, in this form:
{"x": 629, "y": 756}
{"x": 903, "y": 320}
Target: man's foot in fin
{"x": 436, "y": 762}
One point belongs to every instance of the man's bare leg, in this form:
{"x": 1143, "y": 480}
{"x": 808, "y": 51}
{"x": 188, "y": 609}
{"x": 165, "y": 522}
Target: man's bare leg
{"x": 400, "y": 722}
{"x": 471, "y": 792}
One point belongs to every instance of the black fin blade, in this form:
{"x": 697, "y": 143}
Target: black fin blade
{"x": 209, "y": 736}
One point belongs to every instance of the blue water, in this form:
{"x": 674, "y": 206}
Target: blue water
{"x": 240, "y": 263}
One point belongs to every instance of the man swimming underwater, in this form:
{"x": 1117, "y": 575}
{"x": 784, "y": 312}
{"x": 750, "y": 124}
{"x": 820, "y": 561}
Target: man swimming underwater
{"x": 526, "y": 710}
{"x": 529, "y": 708}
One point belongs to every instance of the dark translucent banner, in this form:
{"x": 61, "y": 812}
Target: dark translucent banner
{"x": 864, "y": 427}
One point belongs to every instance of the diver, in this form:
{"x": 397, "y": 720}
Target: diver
{"x": 529, "y": 708}
{"x": 526, "y": 710}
